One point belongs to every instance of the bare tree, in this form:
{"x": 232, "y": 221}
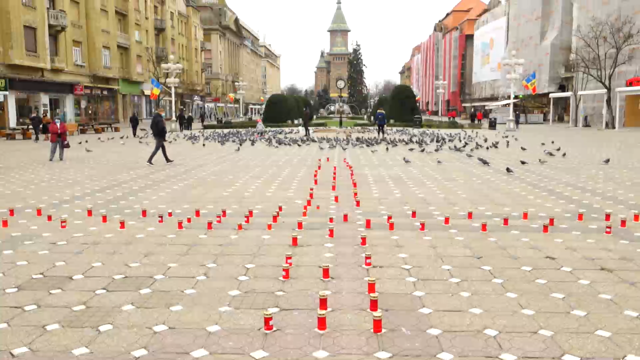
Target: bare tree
{"x": 603, "y": 47}
{"x": 292, "y": 89}
{"x": 580, "y": 82}
{"x": 387, "y": 87}
{"x": 155, "y": 62}
{"x": 375, "y": 89}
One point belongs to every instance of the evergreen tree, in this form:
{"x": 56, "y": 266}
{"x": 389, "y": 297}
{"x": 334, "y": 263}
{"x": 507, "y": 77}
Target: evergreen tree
{"x": 356, "y": 85}
{"x": 323, "y": 98}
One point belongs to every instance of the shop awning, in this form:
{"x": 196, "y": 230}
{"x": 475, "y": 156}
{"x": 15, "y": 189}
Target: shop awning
{"x": 129, "y": 87}
{"x": 478, "y": 103}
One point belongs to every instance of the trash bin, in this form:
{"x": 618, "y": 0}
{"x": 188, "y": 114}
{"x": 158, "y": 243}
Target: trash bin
{"x": 493, "y": 122}
{"x": 417, "y": 121}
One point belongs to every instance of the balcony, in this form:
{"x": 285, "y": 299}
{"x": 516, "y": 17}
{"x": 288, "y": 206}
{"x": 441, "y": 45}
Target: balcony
{"x": 138, "y": 15}
{"x": 160, "y": 24}
{"x": 122, "y": 6}
{"x": 57, "y": 20}
{"x": 205, "y": 45}
{"x": 161, "y": 53}
{"x": 57, "y": 63}
{"x": 123, "y": 40}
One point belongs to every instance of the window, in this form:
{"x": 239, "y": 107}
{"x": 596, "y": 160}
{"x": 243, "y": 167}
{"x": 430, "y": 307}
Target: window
{"x": 106, "y": 58}
{"x": 123, "y": 63}
{"x": 53, "y": 45}
{"x": 139, "y": 64}
{"x": 207, "y": 89}
{"x": 28, "y": 3}
{"x": 51, "y": 4}
{"x": 74, "y": 10}
{"x": 136, "y": 4}
{"x": 138, "y": 39}
{"x": 120, "y": 26}
{"x": 195, "y": 54}
{"x": 30, "y": 40}
{"x": 104, "y": 18}
{"x": 172, "y": 24}
{"x": 146, "y": 38}
{"x": 77, "y": 52}
{"x": 155, "y": 11}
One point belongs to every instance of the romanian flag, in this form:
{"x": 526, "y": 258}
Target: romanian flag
{"x": 530, "y": 83}
{"x": 156, "y": 89}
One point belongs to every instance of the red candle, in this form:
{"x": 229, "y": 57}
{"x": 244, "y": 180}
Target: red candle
{"x": 552, "y": 221}
{"x": 333, "y": 186}
{"x": 288, "y": 259}
{"x": 389, "y": 218}
{"x": 371, "y": 285}
{"x": 12, "y": 212}
{"x": 345, "y": 217}
{"x": 331, "y": 232}
{"x": 367, "y": 224}
{"x": 247, "y": 218}
{"x": 269, "y": 227}
{"x": 250, "y": 213}
{"x": 363, "y": 240}
{"x": 413, "y": 214}
{"x": 209, "y": 225}
{"x": 545, "y": 228}
{"x": 122, "y": 225}
{"x": 377, "y": 323}
{"x": 322, "y": 321}
{"x": 5, "y": 222}
{"x": 218, "y": 219}
{"x": 197, "y": 214}
{"x": 623, "y": 222}
{"x": 239, "y": 226}
{"x": 144, "y": 213}
{"x": 315, "y": 182}
{"x": 49, "y": 218}
{"x": 308, "y": 202}
{"x": 373, "y": 302}
{"x": 104, "y": 218}
{"x": 280, "y": 208}
{"x": 325, "y": 272}
{"x": 355, "y": 193}
{"x": 581, "y": 215}
{"x": 311, "y": 195}
{"x": 294, "y": 240}
{"x": 607, "y": 229}
{"x": 327, "y": 159}
{"x": 63, "y": 223}
{"x": 607, "y": 216}
{"x": 483, "y": 228}
{"x": 180, "y": 225}
{"x": 188, "y": 219}
{"x": 367, "y": 260}
{"x": 447, "y": 220}
{"x": 224, "y": 213}
{"x": 300, "y": 225}
{"x": 357, "y": 202}
{"x": 470, "y": 215}
{"x": 38, "y": 211}
{"x": 525, "y": 215}
{"x": 304, "y": 213}
{"x": 324, "y": 306}
{"x": 505, "y": 221}
{"x": 274, "y": 218}
{"x": 160, "y": 219}
{"x": 331, "y": 220}
{"x": 285, "y": 271}
{"x": 170, "y": 213}
{"x": 423, "y": 226}
{"x": 89, "y": 211}
{"x": 335, "y": 199}
{"x": 392, "y": 225}
{"x": 636, "y": 216}
{"x": 268, "y": 321}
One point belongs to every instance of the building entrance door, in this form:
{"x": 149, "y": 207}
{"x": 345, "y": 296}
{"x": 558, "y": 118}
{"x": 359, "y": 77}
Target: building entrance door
{"x": 632, "y": 111}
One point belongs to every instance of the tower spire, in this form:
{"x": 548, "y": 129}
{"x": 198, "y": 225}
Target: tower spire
{"x": 339, "y": 22}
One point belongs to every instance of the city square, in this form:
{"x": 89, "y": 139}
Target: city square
{"x": 113, "y": 284}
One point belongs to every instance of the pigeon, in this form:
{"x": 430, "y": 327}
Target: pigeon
{"x": 523, "y": 148}
{"x": 88, "y": 150}
{"x": 542, "y": 161}
{"x": 564, "y": 154}
{"x": 606, "y": 161}
{"x": 387, "y": 149}
{"x": 543, "y": 144}
{"x": 509, "y": 171}
{"x": 80, "y": 143}
{"x": 559, "y": 148}
{"x": 238, "y": 149}
{"x": 469, "y": 155}
{"x": 423, "y": 150}
{"x": 524, "y": 162}
{"x": 406, "y": 161}
{"x": 439, "y": 162}
{"x": 411, "y": 149}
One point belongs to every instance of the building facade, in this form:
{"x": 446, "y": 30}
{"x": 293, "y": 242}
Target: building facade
{"x": 405, "y": 74}
{"x": 235, "y": 58}
{"x": 91, "y": 61}
{"x": 333, "y": 65}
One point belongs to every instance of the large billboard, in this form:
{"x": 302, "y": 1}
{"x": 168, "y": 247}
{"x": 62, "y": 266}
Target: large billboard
{"x": 488, "y": 50}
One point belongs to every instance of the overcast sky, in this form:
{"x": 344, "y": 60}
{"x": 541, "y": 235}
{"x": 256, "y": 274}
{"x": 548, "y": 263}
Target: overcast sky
{"x": 386, "y": 30}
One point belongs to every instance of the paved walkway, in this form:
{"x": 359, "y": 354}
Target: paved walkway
{"x": 451, "y": 292}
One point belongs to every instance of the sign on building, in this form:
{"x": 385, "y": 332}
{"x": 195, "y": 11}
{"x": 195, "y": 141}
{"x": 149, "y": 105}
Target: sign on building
{"x": 488, "y": 50}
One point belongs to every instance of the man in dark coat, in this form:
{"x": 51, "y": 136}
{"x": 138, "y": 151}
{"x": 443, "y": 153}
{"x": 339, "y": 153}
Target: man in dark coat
{"x": 159, "y": 130}
{"x": 134, "y": 121}
{"x": 190, "y": 122}
{"x": 181, "y": 120}
{"x": 306, "y": 120}
{"x": 473, "y": 116}
{"x": 517, "y": 119}
{"x": 36, "y": 123}
{"x": 202, "y": 117}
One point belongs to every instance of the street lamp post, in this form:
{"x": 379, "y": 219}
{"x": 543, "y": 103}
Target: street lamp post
{"x": 440, "y": 85}
{"x": 240, "y": 86}
{"x": 515, "y": 65}
{"x": 340, "y": 84}
{"x": 172, "y": 70}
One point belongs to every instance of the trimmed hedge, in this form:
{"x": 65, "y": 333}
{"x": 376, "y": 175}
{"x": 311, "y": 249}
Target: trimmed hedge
{"x": 402, "y": 105}
{"x": 276, "y": 110}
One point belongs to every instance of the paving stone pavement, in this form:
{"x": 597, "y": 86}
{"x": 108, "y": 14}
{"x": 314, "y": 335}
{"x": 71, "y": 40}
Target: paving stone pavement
{"x": 152, "y": 291}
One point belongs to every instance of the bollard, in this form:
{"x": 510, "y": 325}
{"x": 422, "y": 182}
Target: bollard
{"x": 413, "y": 213}
{"x": 373, "y": 302}
{"x": 371, "y": 285}
{"x": 447, "y": 220}
{"x": 239, "y": 226}
{"x": 470, "y": 215}
{"x": 180, "y": 225}
{"x": 294, "y": 240}
{"x": 525, "y": 215}
{"x": 392, "y": 225}
{"x": 274, "y": 218}
{"x": 122, "y": 225}
{"x": 143, "y": 213}
{"x": 331, "y": 220}
{"x": 89, "y": 211}
{"x": 218, "y": 218}
{"x": 325, "y": 272}
{"x": 483, "y": 227}
{"x": 324, "y": 305}
{"x": 552, "y": 221}
{"x": 268, "y": 321}
{"x": 224, "y": 213}
{"x": 636, "y": 216}
{"x": 247, "y": 218}
{"x": 357, "y": 202}
{"x": 170, "y": 213}
{"x": 505, "y": 221}
{"x": 377, "y": 323}
{"x": 623, "y": 221}
{"x": 580, "y": 215}
{"x": 63, "y": 222}
{"x": 49, "y": 218}
{"x": 423, "y": 225}
{"x": 38, "y": 211}
{"x": 12, "y": 212}
{"x": 367, "y": 260}
{"x": 197, "y": 214}
{"x": 607, "y": 229}
{"x": 322, "y": 321}
{"x": 188, "y": 219}
{"x": 389, "y": 218}
{"x": 269, "y": 227}
{"x": 285, "y": 272}
{"x": 331, "y": 232}
{"x": 607, "y": 215}
{"x": 160, "y": 219}
{"x": 300, "y": 225}
{"x": 288, "y": 259}
{"x": 209, "y": 225}
{"x": 363, "y": 240}
{"x": 5, "y": 223}
{"x": 367, "y": 224}
{"x": 104, "y": 217}
{"x": 545, "y": 228}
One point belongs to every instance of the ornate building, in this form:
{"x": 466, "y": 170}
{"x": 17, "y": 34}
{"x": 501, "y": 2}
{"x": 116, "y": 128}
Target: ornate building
{"x": 333, "y": 64}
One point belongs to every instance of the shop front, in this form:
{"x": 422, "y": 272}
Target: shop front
{"x": 26, "y": 96}
{"x": 96, "y": 104}
{"x": 132, "y": 99}
{"x": 193, "y": 105}
{"x": 4, "y": 96}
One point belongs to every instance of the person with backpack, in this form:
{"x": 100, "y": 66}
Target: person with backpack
{"x": 381, "y": 121}
{"x": 159, "y": 130}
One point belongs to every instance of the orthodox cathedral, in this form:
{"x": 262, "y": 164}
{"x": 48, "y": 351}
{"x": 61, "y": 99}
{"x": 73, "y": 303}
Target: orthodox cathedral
{"x": 333, "y": 64}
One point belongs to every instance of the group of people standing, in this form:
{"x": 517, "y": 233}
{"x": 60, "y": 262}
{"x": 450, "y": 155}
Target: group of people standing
{"x": 479, "y": 115}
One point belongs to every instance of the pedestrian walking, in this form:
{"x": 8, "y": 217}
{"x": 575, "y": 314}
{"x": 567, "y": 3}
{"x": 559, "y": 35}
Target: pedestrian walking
{"x": 306, "y": 120}
{"x": 517, "y": 119}
{"x": 134, "y": 121}
{"x": 159, "y": 131}
{"x": 202, "y": 118}
{"x": 58, "y": 138}
{"x": 181, "y": 120}
{"x": 36, "y": 123}
{"x": 381, "y": 121}
{"x": 190, "y": 122}
{"x": 473, "y": 116}
{"x": 46, "y": 121}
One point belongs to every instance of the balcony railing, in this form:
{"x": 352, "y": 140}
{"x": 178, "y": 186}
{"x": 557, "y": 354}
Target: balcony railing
{"x": 57, "y": 62}
{"x": 122, "y": 6}
{"x": 123, "y": 40}
{"x": 160, "y": 24}
{"x": 57, "y": 19}
{"x": 161, "y": 53}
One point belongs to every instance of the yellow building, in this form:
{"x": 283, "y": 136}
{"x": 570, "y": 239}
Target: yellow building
{"x": 405, "y": 74}
{"x": 235, "y": 59}
{"x": 91, "y": 61}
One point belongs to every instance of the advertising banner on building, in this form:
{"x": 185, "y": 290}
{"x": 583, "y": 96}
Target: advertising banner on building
{"x": 488, "y": 50}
